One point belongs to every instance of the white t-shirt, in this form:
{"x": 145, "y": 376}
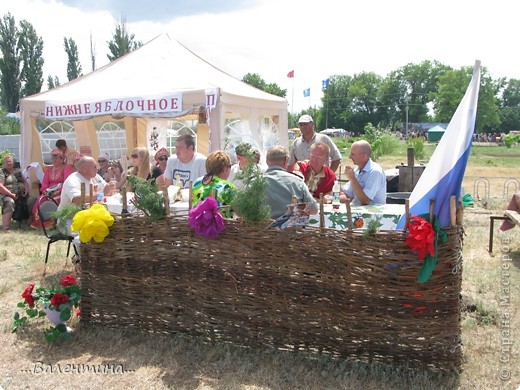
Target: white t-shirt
{"x": 235, "y": 170}
{"x": 192, "y": 170}
{"x": 72, "y": 187}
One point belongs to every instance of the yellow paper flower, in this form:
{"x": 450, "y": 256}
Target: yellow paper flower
{"x": 92, "y": 223}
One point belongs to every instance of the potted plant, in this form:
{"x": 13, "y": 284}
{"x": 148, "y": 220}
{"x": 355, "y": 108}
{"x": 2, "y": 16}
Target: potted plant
{"x": 57, "y": 303}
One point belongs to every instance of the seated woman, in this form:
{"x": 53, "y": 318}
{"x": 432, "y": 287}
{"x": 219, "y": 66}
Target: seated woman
{"x": 53, "y": 179}
{"x": 161, "y": 159}
{"x": 242, "y": 151}
{"x": 12, "y": 187}
{"x": 218, "y": 167}
{"x": 116, "y": 173}
{"x": 140, "y": 165}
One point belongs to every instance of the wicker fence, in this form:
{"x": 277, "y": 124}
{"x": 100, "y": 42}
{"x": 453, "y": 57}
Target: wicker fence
{"x": 324, "y": 291}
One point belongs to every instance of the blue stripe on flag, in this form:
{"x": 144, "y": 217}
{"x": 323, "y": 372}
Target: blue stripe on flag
{"x": 443, "y": 175}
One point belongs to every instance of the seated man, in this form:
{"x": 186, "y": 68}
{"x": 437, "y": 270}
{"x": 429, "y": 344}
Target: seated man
{"x": 86, "y": 173}
{"x": 283, "y": 185}
{"x": 187, "y": 165}
{"x": 367, "y": 181}
{"x": 69, "y": 152}
{"x": 316, "y": 173}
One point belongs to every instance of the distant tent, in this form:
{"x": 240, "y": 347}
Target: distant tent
{"x": 435, "y": 133}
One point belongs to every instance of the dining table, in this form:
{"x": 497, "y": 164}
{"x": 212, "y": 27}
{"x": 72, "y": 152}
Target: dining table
{"x": 386, "y": 216}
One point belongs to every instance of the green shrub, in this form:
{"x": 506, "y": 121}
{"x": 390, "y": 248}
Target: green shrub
{"x": 417, "y": 144}
{"x": 381, "y": 140}
{"x": 8, "y": 125}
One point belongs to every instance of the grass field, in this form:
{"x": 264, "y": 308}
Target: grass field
{"x": 130, "y": 360}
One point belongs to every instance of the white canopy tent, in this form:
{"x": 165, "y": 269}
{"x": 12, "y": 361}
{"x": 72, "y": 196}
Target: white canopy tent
{"x": 144, "y": 89}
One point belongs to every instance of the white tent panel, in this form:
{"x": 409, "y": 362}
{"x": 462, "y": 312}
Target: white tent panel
{"x": 161, "y": 79}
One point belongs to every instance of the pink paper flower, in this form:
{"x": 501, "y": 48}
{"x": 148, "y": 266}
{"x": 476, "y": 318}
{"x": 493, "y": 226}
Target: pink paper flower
{"x": 205, "y": 219}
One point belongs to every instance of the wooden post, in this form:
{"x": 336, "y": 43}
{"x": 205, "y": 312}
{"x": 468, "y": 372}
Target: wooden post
{"x": 410, "y": 157}
{"x": 166, "y": 201}
{"x": 322, "y": 215}
{"x": 124, "y": 209}
{"x": 349, "y": 215}
{"x": 432, "y": 207}
{"x": 294, "y": 199}
{"x": 82, "y": 196}
{"x": 407, "y": 213}
{"x": 190, "y": 194}
{"x": 453, "y": 211}
{"x": 91, "y": 194}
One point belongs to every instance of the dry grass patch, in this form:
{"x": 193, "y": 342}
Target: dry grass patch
{"x": 140, "y": 360}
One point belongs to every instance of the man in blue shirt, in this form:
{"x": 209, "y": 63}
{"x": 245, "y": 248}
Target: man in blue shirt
{"x": 367, "y": 181}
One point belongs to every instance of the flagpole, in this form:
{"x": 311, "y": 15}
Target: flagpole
{"x": 292, "y": 98}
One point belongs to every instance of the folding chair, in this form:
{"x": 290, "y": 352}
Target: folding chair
{"x": 47, "y": 206}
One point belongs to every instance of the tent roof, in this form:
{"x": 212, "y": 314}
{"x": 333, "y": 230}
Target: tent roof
{"x": 161, "y": 66}
{"x": 438, "y": 129}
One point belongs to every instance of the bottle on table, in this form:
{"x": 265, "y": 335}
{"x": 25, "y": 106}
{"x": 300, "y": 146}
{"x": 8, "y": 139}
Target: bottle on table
{"x": 336, "y": 189}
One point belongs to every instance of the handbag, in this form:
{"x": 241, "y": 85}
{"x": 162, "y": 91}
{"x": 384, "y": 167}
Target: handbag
{"x": 21, "y": 210}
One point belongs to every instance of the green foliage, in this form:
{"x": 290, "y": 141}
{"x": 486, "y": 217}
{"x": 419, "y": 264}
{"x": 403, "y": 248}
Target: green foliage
{"x": 64, "y": 215}
{"x": 373, "y": 226}
{"x": 122, "y": 42}
{"x": 256, "y": 81}
{"x": 373, "y": 136}
{"x": 73, "y": 64}
{"x": 8, "y": 125}
{"x": 389, "y": 143}
{"x": 485, "y": 315}
{"x": 10, "y": 80}
{"x": 417, "y": 144}
{"x": 3, "y": 154}
{"x": 53, "y": 82}
{"x": 31, "y": 50}
{"x": 146, "y": 197}
{"x": 508, "y": 141}
{"x": 251, "y": 201}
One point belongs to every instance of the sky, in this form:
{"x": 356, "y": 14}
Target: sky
{"x": 316, "y": 39}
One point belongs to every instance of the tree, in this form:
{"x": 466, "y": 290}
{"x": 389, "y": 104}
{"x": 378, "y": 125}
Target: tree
{"x": 256, "y": 81}
{"x": 73, "y": 64}
{"x": 31, "y": 49}
{"x": 405, "y": 92}
{"x": 92, "y": 53}
{"x": 453, "y": 85}
{"x": 52, "y": 82}
{"x": 9, "y": 64}
{"x": 351, "y": 101}
{"x": 335, "y": 104}
{"x": 510, "y": 105}
{"x": 122, "y": 42}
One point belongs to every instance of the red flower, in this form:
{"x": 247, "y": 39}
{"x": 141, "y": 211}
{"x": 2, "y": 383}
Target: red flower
{"x": 27, "y": 294}
{"x": 68, "y": 281}
{"x": 59, "y": 299}
{"x": 421, "y": 237}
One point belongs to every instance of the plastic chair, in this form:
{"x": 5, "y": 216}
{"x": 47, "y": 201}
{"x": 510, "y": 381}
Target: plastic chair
{"x": 47, "y": 206}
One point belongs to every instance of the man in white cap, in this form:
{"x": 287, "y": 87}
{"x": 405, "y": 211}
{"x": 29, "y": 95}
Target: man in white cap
{"x": 301, "y": 148}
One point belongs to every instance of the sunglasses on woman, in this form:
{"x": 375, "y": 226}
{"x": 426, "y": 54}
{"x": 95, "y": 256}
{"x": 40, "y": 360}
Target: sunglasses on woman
{"x": 135, "y": 155}
{"x": 56, "y": 156}
{"x": 162, "y": 158}
{"x": 101, "y": 161}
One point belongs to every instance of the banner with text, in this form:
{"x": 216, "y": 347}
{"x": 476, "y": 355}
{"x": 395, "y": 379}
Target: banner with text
{"x": 135, "y": 106}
